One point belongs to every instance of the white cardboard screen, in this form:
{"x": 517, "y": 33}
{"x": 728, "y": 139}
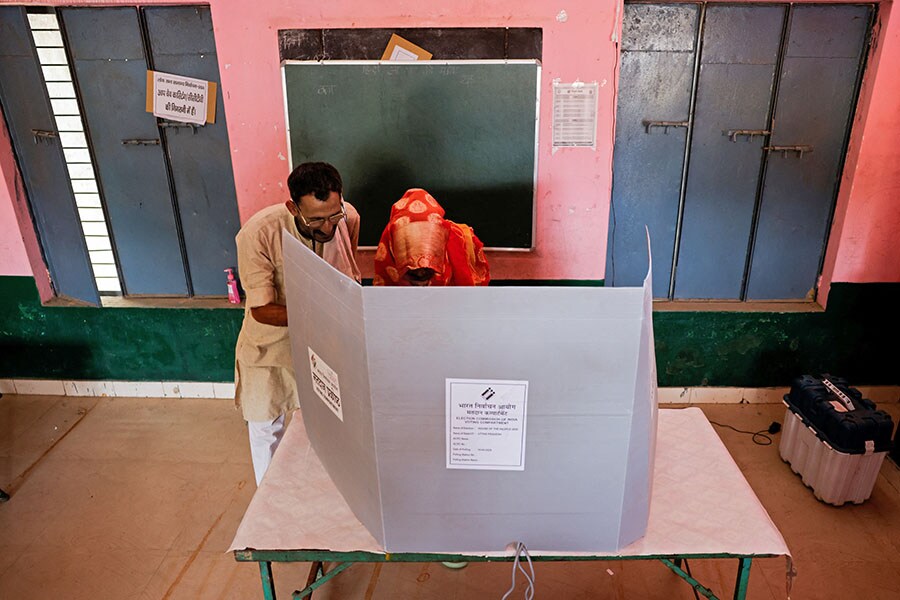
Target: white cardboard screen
{"x": 586, "y": 353}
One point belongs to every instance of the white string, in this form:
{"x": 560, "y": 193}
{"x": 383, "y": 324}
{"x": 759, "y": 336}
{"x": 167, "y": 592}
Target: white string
{"x": 517, "y": 566}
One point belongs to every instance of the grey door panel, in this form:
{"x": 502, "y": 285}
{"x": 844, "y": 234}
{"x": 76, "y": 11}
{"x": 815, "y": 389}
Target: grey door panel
{"x": 111, "y": 73}
{"x": 815, "y": 98}
{"x": 837, "y": 31}
{"x": 41, "y": 161}
{"x": 754, "y": 214}
{"x": 180, "y": 31}
{"x": 657, "y": 70}
{"x": 745, "y": 35}
{"x": 181, "y": 42}
{"x": 734, "y": 93}
{"x": 659, "y": 27}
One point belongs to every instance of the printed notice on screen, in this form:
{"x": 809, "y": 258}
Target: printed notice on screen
{"x": 325, "y": 384}
{"x": 486, "y": 424}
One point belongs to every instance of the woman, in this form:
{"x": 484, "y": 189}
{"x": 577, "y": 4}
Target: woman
{"x": 420, "y": 247}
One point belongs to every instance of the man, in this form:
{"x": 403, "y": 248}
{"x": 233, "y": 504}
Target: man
{"x": 420, "y": 247}
{"x": 316, "y": 214}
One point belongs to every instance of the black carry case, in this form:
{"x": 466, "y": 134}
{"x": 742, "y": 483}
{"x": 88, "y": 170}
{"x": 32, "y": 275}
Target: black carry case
{"x": 851, "y": 425}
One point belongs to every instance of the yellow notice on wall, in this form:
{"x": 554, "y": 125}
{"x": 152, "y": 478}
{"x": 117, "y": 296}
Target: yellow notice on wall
{"x": 404, "y": 50}
{"x": 179, "y": 98}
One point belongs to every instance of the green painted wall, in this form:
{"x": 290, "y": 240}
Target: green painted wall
{"x": 130, "y": 344}
{"x": 857, "y": 337}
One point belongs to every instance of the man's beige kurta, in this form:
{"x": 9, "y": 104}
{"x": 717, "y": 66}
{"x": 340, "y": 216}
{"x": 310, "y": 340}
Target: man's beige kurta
{"x": 265, "y": 387}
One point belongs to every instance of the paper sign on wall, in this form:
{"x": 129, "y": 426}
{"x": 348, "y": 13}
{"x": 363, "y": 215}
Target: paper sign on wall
{"x": 401, "y": 49}
{"x": 486, "y": 424}
{"x": 575, "y": 115}
{"x": 179, "y": 98}
{"x": 325, "y": 384}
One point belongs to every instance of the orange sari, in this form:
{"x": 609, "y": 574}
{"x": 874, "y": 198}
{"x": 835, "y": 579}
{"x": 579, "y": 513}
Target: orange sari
{"x": 418, "y": 236}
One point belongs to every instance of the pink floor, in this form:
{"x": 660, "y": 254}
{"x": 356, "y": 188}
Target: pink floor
{"x": 138, "y": 498}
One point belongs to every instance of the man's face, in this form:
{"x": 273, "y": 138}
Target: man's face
{"x": 312, "y": 216}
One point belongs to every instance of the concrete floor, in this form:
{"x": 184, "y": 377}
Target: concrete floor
{"x": 139, "y": 498}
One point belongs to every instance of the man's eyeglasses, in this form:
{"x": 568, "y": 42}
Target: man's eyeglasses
{"x": 316, "y": 223}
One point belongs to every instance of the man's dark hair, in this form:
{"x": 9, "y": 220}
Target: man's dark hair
{"x": 316, "y": 178}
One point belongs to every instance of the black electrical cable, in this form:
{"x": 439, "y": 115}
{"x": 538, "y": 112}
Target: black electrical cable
{"x": 762, "y": 434}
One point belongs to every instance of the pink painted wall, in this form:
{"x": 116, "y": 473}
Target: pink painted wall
{"x": 573, "y": 185}
{"x": 20, "y": 251}
{"x": 13, "y": 258}
{"x": 865, "y": 239}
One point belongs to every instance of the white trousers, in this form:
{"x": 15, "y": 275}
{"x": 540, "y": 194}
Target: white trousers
{"x": 264, "y": 439}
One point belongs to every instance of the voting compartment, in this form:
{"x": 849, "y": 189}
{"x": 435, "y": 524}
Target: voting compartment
{"x": 834, "y": 438}
{"x": 462, "y": 419}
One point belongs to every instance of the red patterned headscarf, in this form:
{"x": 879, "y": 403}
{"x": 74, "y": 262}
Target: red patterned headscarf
{"x": 418, "y": 236}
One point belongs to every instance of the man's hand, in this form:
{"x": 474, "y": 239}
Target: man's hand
{"x": 270, "y": 314}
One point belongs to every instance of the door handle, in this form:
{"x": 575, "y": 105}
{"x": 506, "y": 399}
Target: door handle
{"x": 177, "y": 126}
{"x": 648, "y": 125}
{"x": 799, "y": 149}
{"x": 43, "y": 134}
{"x": 733, "y": 134}
{"x": 140, "y": 142}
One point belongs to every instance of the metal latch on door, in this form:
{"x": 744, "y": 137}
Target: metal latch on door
{"x": 733, "y": 134}
{"x": 43, "y": 134}
{"x": 648, "y": 125}
{"x": 140, "y": 142}
{"x": 800, "y": 149}
{"x": 172, "y": 125}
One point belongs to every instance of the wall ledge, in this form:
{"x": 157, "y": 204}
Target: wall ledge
{"x": 118, "y": 389}
{"x": 880, "y": 394}
{"x": 758, "y": 306}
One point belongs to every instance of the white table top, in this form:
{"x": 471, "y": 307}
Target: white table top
{"x": 701, "y": 503}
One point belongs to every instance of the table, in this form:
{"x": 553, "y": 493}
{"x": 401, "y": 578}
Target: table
{"x": 701, "y": 507}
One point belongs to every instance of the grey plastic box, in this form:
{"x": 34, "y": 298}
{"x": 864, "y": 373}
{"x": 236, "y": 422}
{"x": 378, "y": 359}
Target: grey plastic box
{"x": 587, "y": 354}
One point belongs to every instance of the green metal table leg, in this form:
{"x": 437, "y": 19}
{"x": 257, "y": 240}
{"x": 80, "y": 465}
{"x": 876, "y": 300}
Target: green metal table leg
{"x": 699, "y": 587}
{"x": 316, "y": 570}
{"x": 743, "y": 578}
{"x": 308, "y": 590}
{"x": 265, "y": 573}
{"x": 687, "y": 568}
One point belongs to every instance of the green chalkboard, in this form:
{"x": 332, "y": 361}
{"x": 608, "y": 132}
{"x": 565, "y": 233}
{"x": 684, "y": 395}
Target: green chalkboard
{"x": 465, "y": 131}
